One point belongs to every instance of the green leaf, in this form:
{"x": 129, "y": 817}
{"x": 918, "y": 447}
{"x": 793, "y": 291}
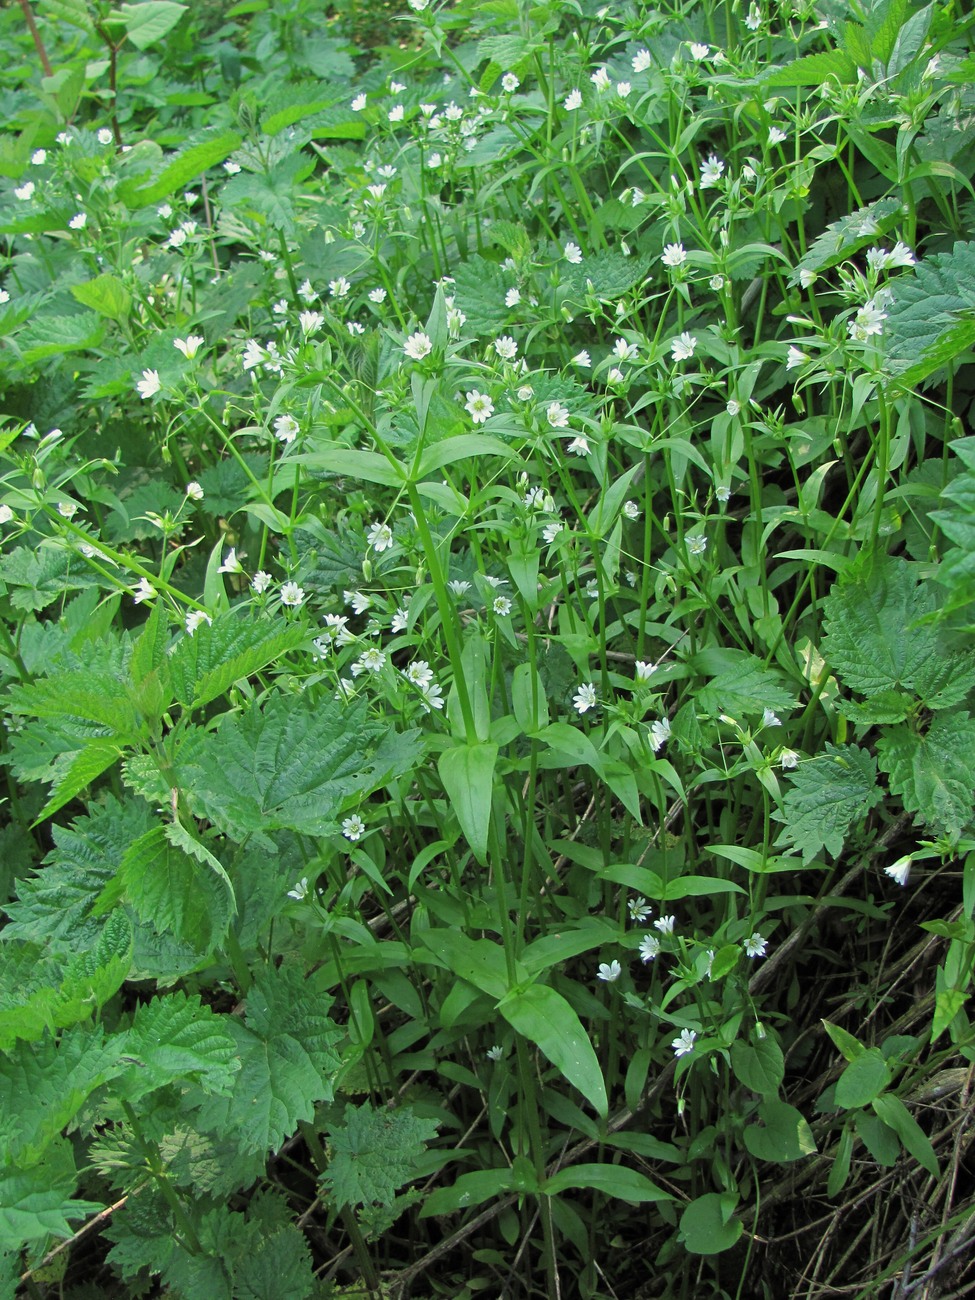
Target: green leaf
{"x": 863, "y": 1079}
{"x": 840, "y": 1169}
{"x": 184, "y": 168}
{"x": 287, "y": 1058}
{"x": 813, "y": 70}
{"x": 374, "y": 1153}
{"x": 170, "y": 891}
{"x": 708, "y": 1225}
{"x": 36, "y": 1203}
{"x": 296, "y": 764}
{"x": 86, "y": 765}
{"x": 613, "y": 1180}
{"x": 858, "y": 229}
{"x": 934, "y": 773}
{"x": 369, "y": 466}
{"x": 468, "y": 1191}
{"x": 149, "y": 22}
{"x": 851, "y": 1047}
{"x": 828, "y": 795}
{"x": 785, "y": 1136}
{"x": 759, "y": 1066}
{"x": 741, "y": 684}
{"x": 52, "y": 336}
{"x": 177, "y": 1039}
{"x": 930, "y": 321}
{"x": 106, "y": 295}
{"x": 205, "y": 665}
{"x": 892, "y": 1111}
{"x": 545, "y": 1018}
{"x": 467, "y": 773}
{"x": 479, "y": 961}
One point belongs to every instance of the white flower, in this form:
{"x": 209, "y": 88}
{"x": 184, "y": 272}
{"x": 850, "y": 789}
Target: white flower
{"x": 582, "y": 359}
{"x": 291, "y": 594}
{"x": 6, "y": 514}
{"x": 600, "y": 79}
{"x": 685, "y": 1043}
{"x": 359, "y": 103}
{"x": 231, "y": 168}
{"x": 431, "y": 697}
{"x": 305, "y": 291}
{"x": 573, "y": 253}
{"x": 458, "y": 587}
{"x": 336, "y": 629}
{"x": 286, "y": 428}
{"x": 624, "y": 351}
{"x": 398, "y": 622}
{"x": 419, "y": 673}
{"x": 380, "y": 537}
{"x": 795, "y": 357}
{"x": 609, "y": 971}
{"x": 579, "y": 446}
{"x": 4, "y": 296}
{"x": 682, "y": 347}
{"x": 104, "y": 136}
{"x": 754, "y": 19}
{"x": 770, "y": 718}
{"x": 149, "y": 384}
{"x": 194, "y": 490}
{"x": 396, "y": 113}
{"x": 644, "y": 671}
{"x": 584, "y": 698}
{"x": 417, "y": 346}
{"x": 807, "y": 278}
{"x": 190, "y": 345}
{"x": 641, "y": 61}
{"x": 649, "y": 947}
{"x": 717, "y": 283}
{"x": 509, "y": 83}
{"x": 310, "y": 321}
{"x": 631, "y": 510}
{"x": 231, "y": 564}
{"x": 697, "y": 544}
{"x": 512, "y": 298}
{"x": 39, "y": 157}
{"x": 78, "y": 221}
{"x": 573, "y": 100}
{"x": 623, "y": 89}
{"x": 900, "y": 255}
{"x": 254, "y": 355}
{"x": 722, "y": 492}
{"x": 194, "y": 618}
{"x": 418, "y": 6}
{"x": 788, "y": 759}
{"x": 377, "y": 295}
{"x": 659, "y": 733}
{"x": 711, "y": 171}
{"x": 525, "y": 393}
{"x": 353, "y": 828}
{"x": 674, "y": 255}
{"x": 501, "y": 605}
{"x": 638, "y": 908}
{"x": 700, "y": 52}
{"x": 551, "y": 531}
{"x": 557, "y": 415}
{"x": 358, "y": 600}
{"x": 300, "y": 890}
{"x": 165, "y": 211}
{"x": 900, "y": 870}
{"x": 372, "y": 661}
{"x": 506, "y": 347}
{"x": 261, "y": 581}
{"x": 144, "y": 591}
{"x": 176, "y": 240}
{"x": 733, "y": 407}
{"x": 494, "y": 1053}
{"x": 869, "y": 321}
{"x": 479, "y": 405}
{"x": 776, "y": 135}
{"x": 341, "y": 287}
{"x": 755, "y": 945}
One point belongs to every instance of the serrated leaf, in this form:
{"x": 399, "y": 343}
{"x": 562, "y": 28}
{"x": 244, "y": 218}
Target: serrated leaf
{"x": 296, "y": 764}
{"x": 38, "y": 1202}
{"x": 178, "y": 173}
{"x": 813, "y": 70}
{"x": 106, "y": 295}
{"x": 288, "y": 1062}
{"x": 205, "y": 665}
{"x": 52, "y": 336}
{"x": 933, "y": 773}
{"x": 929, "y": 322}
{"x": 176, "y": 1038}
{"x": 173, "y": 893}
{"x": 847, "y": 234}
{"x": 82, "y": 769}
{"x": 742, "y": 684}
{"x": 870, "y": 640}
{"x": 374, "y": 1153}
{"x": 829, "y": 794}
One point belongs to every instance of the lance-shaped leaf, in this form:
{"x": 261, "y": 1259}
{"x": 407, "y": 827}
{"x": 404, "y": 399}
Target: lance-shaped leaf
{"x": 546, "y": 1018}
{"x": 467, "y": 773}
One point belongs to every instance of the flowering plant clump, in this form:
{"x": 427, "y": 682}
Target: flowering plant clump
{"x": 488, "y": 680}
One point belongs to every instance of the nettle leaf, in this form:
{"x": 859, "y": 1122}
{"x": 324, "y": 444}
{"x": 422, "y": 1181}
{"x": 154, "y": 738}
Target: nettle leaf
{"x": 957, "y": 521}
{"x": 479, "y": 291}
{"x": 741, "y": 684}
{"x": 171, "y": 891}
{"x": 374, "y": 1153}
{"x": 37, "y": 1202}
{"x": 40, "y": 576}
{"x": 931, "y": 321}
{"x": 44, "y": 1085}
{"x": 52, "y": 336}
{"x": 860, "y": 229}
{"x": 205, "y": 665}
{"x": 933, "y": 773}
{"x": 288, "y": 1062}
{"x": 829, "y": 794}
{"x": 177, "y": 1038}
{"x": 296, "y": 764}
{"x": 875, "y": 644}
